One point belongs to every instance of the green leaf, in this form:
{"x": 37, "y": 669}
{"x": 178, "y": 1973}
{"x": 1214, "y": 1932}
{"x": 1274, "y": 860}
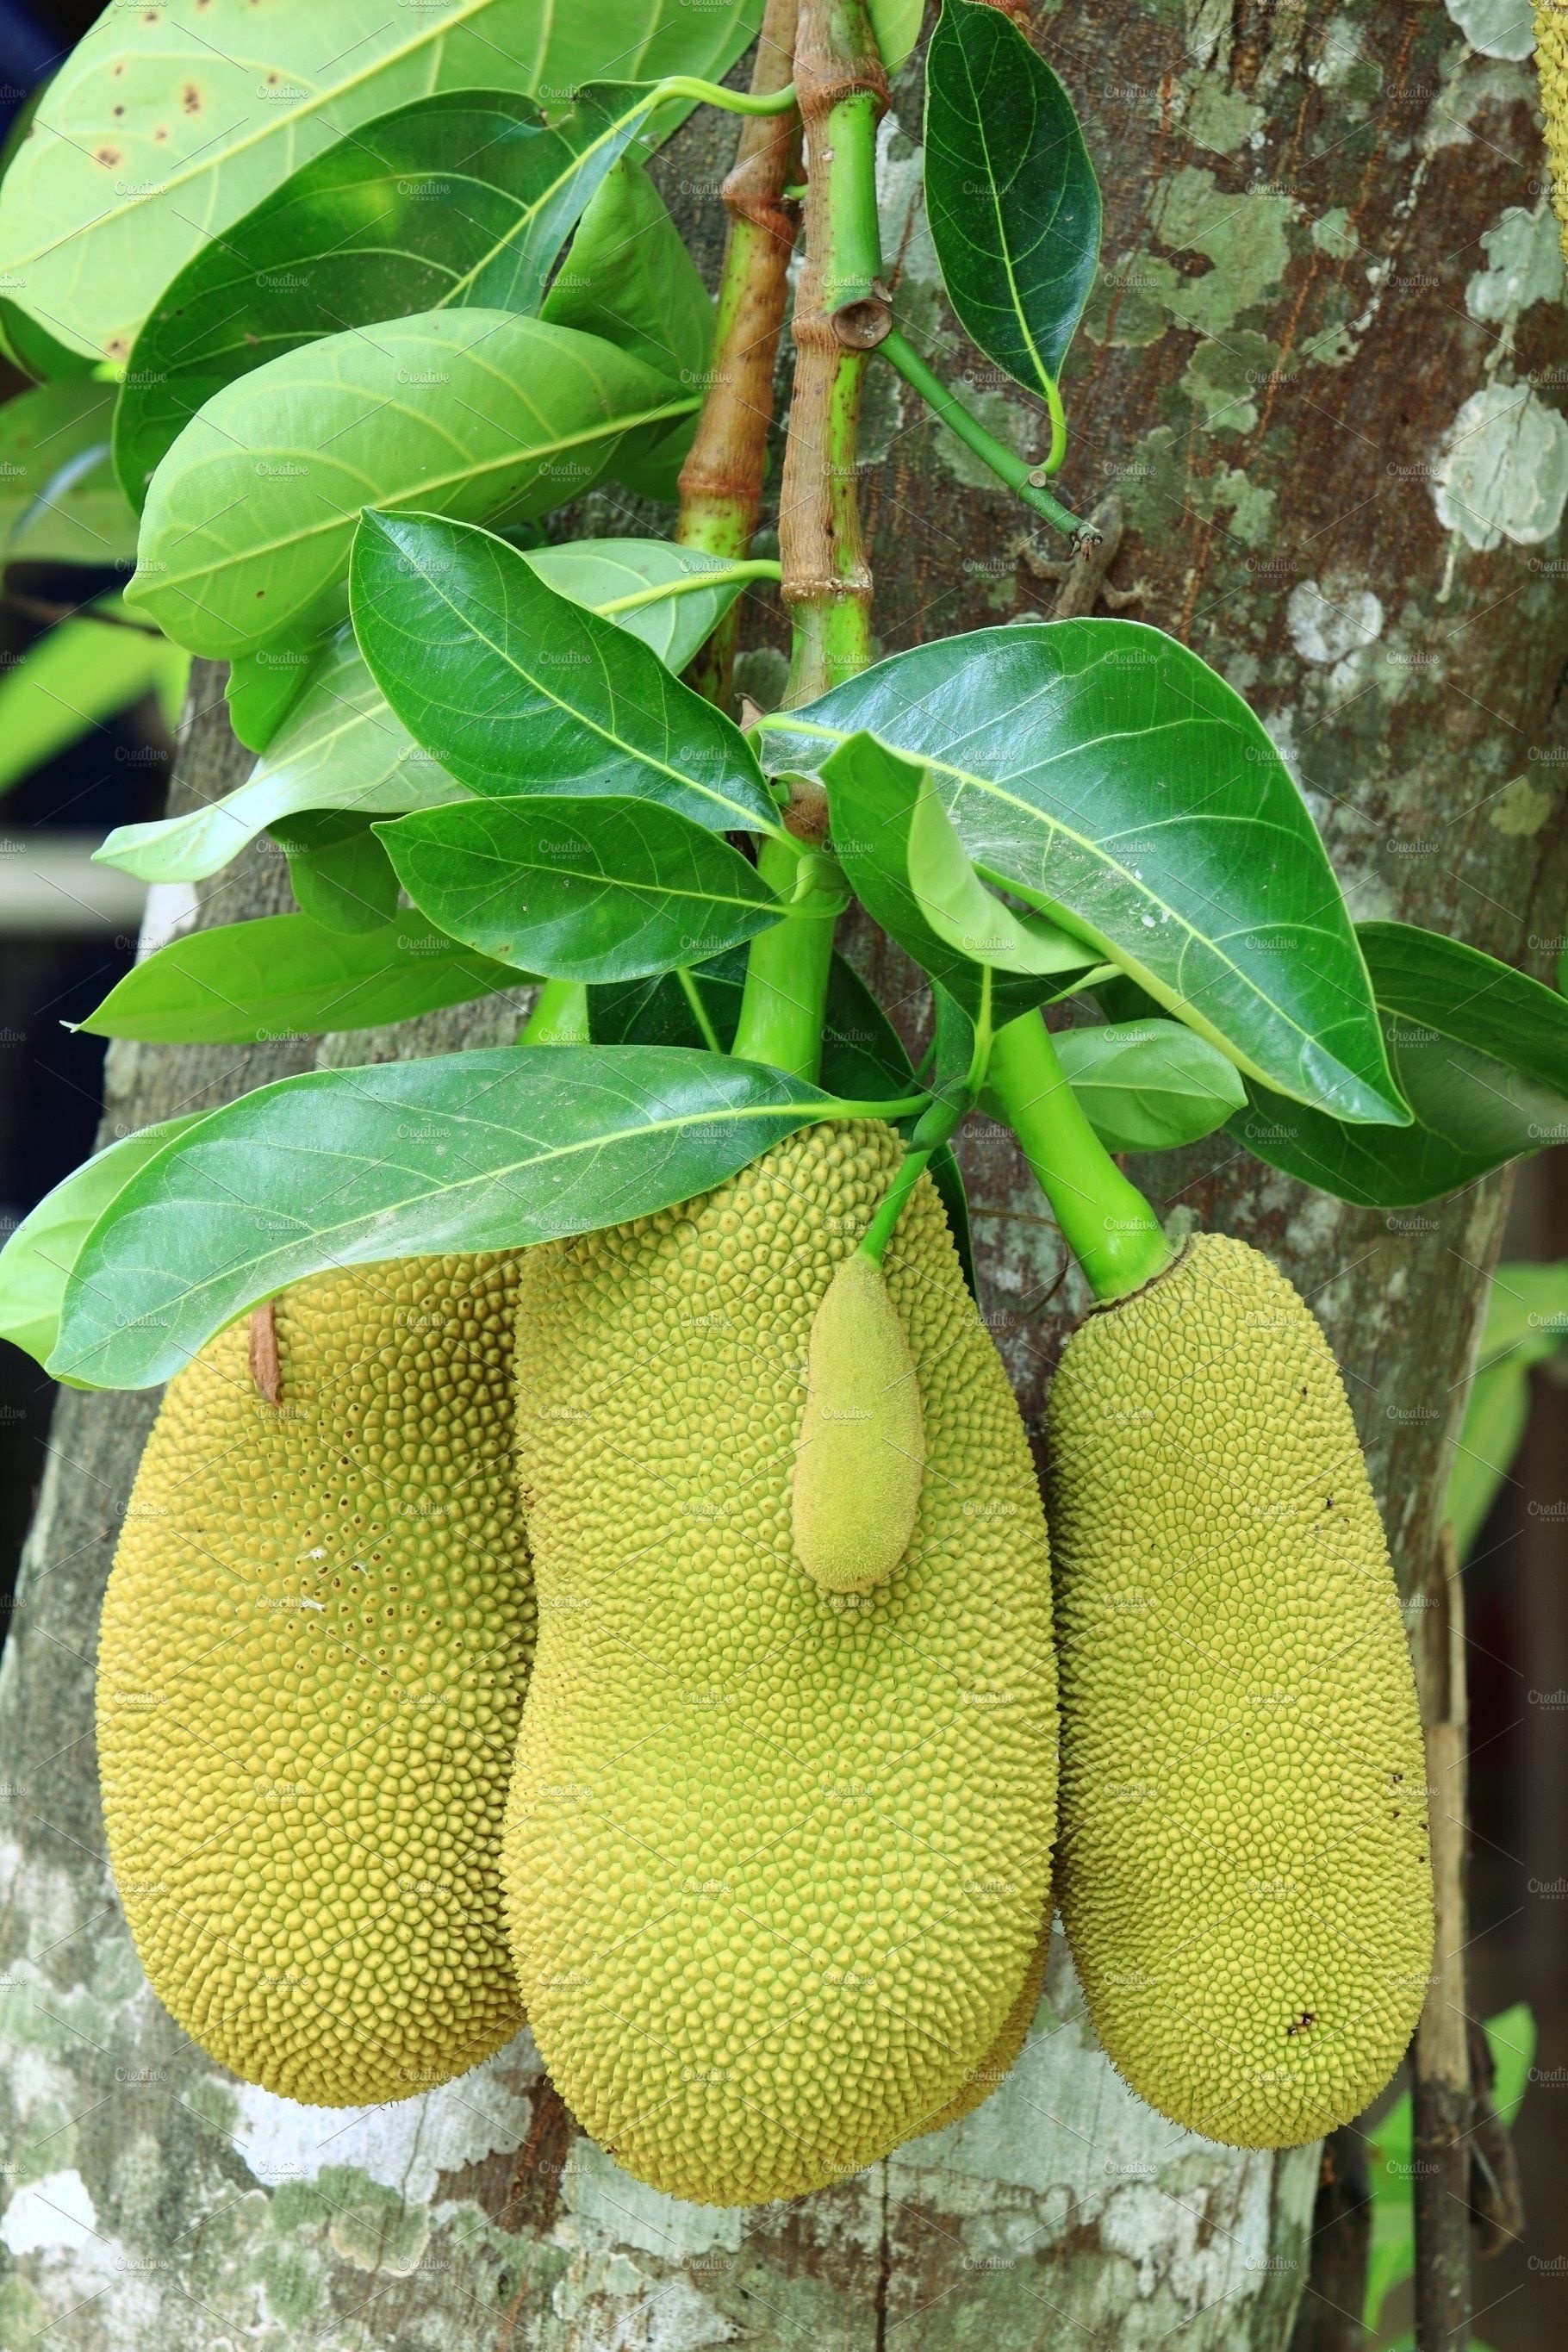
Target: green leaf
{"x": 1511, "y": 2035}
{"x": 580, "y": 890}
{"x": 34, "y": 349}
{"x": 599, "y": 572}
{"x": 492, "y": 1150}
{"x": 262, "y": 688}
{"x": 1496, "y": 1413}
{"x": 42, "y": 1250}
{"x": 158, "y": 133}
{"x": 912, "y": 875}
{"x": 73, "y": 679}
{"x": 1011, "y": 194}
{"x": 339, "y": 872}
{"x": 629, "y": 277}
{"x": 699, "y": 1007}
{"x": 516, "y": 690}
{"x": 285, "y": 976}
{"x": 1149, "y": 1086}
{"x": 1105, "y": 774}
{"x": 462, "y": 199}
{"x": 340, "y": 746}
{"x": 59, "y": 502}
{"x": 1480, "y": 1053}
{"x": 897, "y": 26}
{"x": 1527, "y": 1321}
{"x": 250, "y": 517}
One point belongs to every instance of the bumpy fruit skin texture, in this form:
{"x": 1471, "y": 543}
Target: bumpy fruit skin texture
{"x": 1244, "y": 1870}
{"x": 1552, "y": 64}
{"x": 311, "y": 1665}
{"x": 776, "y": 1859}
{"x": 861, "y": 1458}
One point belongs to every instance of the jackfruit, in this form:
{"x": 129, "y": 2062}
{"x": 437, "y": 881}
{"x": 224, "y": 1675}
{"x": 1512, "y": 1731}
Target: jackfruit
{"x": 775, "y": 1859}
{"x": 1244, "y": 1867}
{"x": 862, "y": 1444}
{"x": 311, "y": 1665}
{"x": 1551, "y": 65}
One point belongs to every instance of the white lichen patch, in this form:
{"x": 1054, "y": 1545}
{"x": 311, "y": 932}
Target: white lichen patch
{"x": 53, "y": 2215}
{"x": 1502, "y": 468}
{"x": 1497, "y": 29}
{"x": 1524, "y": 265}
{"x": 1521, "y": 808}
{"x": 405, "y": 2147}
{"x": 1327, "y": 622}
{"x": 612, "y": 2209}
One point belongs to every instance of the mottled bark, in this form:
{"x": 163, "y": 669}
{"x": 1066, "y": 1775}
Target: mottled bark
{"x": 1330, "y": 279}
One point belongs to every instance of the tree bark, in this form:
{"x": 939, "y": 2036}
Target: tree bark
{"x": 1329, "y": 277}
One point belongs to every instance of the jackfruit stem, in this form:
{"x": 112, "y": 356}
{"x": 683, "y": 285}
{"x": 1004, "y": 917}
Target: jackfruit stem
{"x": 1105, "y": 1221}
{"x": 721, "y": 480}
{"x": 560, "y": 1015}
{"x": 784, "y": 1001}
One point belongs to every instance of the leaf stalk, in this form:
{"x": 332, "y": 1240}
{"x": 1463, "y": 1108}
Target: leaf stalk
{"x": 1022, "y": 479}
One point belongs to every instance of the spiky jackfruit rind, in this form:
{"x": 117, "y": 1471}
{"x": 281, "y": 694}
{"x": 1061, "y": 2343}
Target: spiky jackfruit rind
{"x": 311, "y": 1664}
{"x": 1551, "y": 65}
{"x": 861, "y": 1457}
{"x": 1244, "y": 1869}
{"x": 777, "y": 1859}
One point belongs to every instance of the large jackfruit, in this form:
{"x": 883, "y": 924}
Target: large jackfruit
{"x": 1244, "y": 1870}
{"x": 311, "y": 1669}
{"x": 776, "y": 1859}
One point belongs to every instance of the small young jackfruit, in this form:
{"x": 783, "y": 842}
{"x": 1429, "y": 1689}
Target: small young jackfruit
{"x": 776, "y": 1859}
{"x": 862, "y": 1443}
{"x": 311, "y": 1665}
{"x": 1244, "y": 1862}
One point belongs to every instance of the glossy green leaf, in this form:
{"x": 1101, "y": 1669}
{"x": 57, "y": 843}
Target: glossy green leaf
{"x": 71, "y": 680}
{"x": 339, "y": 871}
{"x": 163, "y": 126}
{"x": 1105, "y": 774}
{"x": 580, "y": 890}
{"x": 967, "y": 915}
{"x": 250, "y": 517}
{"x": 1147, "y": 1085}
{"x": 514, "y": 688}
{"x": 490, "y": 1149}
{"x": 285, "y": 976}
{"x": 60, "y": 502}
{"x": 629, "y": 277}
{"x": 875, "y": 799}
{"x": 41, "y": 1251}
{"x": 1480, "y": 1052}
{"x": 339, "y": 747}
{"x": 462, "y": 199}
{"x": 1011, "y": 194}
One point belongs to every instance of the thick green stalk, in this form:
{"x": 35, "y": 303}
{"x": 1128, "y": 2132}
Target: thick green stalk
{"x": 560, "y": 1015}
{"x": 1105, "y": 1221}
{"x": 721, "y": 480}
{"x": 785, "y": 997}
{"x": 1008, "y": 468}
{"x": 841, "y": 308}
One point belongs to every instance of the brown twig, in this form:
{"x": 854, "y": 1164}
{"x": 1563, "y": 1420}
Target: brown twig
{"x": 265, "y": 1364}
{"x": 1440, "y": 2065}
{"x": 721, "y": 480}
{"x": 842, "y": 311}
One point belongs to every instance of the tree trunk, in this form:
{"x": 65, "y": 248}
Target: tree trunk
{"x": 1311, "y": 380}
